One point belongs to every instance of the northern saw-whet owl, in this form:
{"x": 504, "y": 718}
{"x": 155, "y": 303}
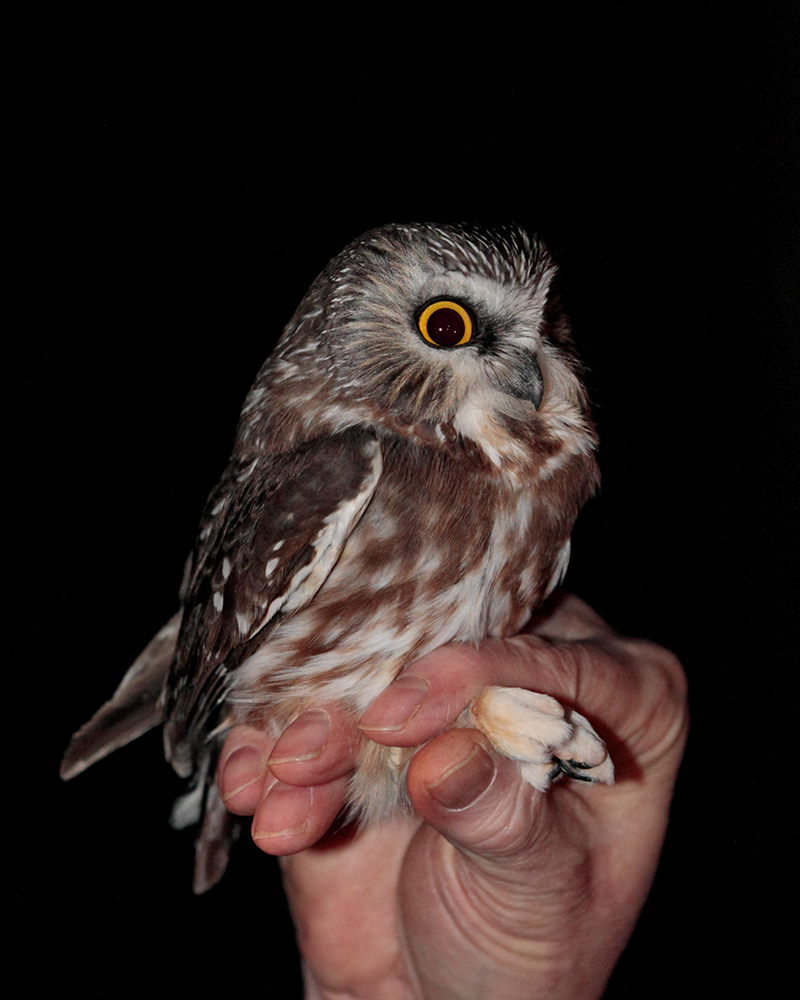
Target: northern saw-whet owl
{"x": 407, "y": 470}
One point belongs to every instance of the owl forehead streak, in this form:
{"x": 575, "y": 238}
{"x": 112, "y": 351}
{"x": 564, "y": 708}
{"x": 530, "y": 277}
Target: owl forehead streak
{"x": 509, "y": 255}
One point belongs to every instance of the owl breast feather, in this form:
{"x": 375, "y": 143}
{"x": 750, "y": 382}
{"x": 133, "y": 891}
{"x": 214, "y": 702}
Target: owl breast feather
{"x": 440, "y": 554}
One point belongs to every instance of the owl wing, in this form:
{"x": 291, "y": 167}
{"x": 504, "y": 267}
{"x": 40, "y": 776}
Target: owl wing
{"x": 274, "y": 530}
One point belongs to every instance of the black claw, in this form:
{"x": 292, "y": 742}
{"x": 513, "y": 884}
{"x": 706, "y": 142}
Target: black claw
{"x": 567, "y": 767}
{"x": 557, "y": 769}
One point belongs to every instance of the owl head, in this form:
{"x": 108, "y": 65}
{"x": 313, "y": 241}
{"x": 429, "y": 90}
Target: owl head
{"x": 450, "y": 332}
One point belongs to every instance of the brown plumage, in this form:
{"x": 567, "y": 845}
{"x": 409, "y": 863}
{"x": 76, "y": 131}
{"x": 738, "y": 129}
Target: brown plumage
{"x": 388, "y": 492}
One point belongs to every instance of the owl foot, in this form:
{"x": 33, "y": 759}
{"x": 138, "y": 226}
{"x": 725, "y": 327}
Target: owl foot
{"x": 544, "y": 738}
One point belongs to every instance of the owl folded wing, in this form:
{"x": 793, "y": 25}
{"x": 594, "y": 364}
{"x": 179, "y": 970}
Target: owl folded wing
{"x": 272, "y": 532}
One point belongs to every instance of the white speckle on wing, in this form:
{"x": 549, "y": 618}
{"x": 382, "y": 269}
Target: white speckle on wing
{"x": 271, "y": 566}
{"x": 253, "y": 399}
{"x": 285, "y": 370}
{"x": 275, "y": 606}
{"x": 311, "y": 348}
{"x": 248, "y": 471}
{"x": 331, "y": 537}
{"x": 218, "y": 600}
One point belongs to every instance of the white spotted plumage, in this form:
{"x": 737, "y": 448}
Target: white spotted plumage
{"x": 385, "y": 495}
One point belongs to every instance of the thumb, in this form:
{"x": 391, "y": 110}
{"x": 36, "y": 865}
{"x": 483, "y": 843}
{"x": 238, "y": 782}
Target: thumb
{"x": 474, "y": 797}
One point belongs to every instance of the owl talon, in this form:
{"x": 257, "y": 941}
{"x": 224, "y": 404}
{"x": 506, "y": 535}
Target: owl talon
{"x": 567, "y": 767}
{"x": 545, "y": 740}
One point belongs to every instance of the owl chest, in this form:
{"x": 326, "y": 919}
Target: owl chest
{"x": 436, "y": 557}
{"x": 455, "y": 551}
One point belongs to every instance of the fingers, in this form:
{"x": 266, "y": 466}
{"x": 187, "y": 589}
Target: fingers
{"x": 631, "y": 691}
{"x": 242, "y": 769}
{"x": 316, "y": 748}
{"x": 294, "y": 786}
{"x": 290, "y": 818}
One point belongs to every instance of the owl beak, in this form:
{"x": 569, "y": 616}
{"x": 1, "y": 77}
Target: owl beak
{"x": 535, "y": 383}
{"x": 527, "y": 382}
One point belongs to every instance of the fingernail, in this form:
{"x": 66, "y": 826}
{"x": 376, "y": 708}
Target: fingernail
{"x": 284, "y": 812}
{"x": 237, "y": 774}
{"x": 465, "y": 782}
{"x": 304, "y": 739}
{"x": 395, "y": 707}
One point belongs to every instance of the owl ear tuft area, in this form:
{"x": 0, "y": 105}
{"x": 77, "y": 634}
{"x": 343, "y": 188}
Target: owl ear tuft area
{"x": 445, "y": 323}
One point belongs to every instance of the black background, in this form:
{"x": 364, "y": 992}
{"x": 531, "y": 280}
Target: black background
{"x": 180, "y": 185}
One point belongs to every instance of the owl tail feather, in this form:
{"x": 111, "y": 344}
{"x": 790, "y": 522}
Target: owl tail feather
{"x": 137, "y": 707}
{"x": 134, "y": 708}
{"x": 219, "y": 828}
{"x": 219, "y": 831}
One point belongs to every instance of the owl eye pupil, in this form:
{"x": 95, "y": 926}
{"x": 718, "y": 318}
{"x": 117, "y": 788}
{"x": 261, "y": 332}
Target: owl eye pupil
{"x": 445, "y": 324}
{"x": 446, "y": 327}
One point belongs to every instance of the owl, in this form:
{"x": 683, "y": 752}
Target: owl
{"x": 407, "y": 470}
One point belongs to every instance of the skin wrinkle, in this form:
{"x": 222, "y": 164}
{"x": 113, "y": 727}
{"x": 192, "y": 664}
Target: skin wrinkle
{"x": 444, "y": 883}
{"x": 525, "y": 811}
{"x": 570, "y": 878}
{"x": 675, "y": 733}
{"x": 480, "y": 919}
{"x": 569, "y": 653}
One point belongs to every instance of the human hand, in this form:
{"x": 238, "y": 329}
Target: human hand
{"x": 491, "y": 889}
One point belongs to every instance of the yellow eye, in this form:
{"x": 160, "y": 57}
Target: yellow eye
{"x": 445, "y": 324}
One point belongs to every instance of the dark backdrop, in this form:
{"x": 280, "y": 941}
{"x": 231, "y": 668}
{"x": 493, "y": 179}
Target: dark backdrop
{"x": 181, "y": 184}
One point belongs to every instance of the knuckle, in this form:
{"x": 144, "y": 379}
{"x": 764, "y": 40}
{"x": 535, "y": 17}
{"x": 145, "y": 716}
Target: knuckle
{"x": 664, "y": 664}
